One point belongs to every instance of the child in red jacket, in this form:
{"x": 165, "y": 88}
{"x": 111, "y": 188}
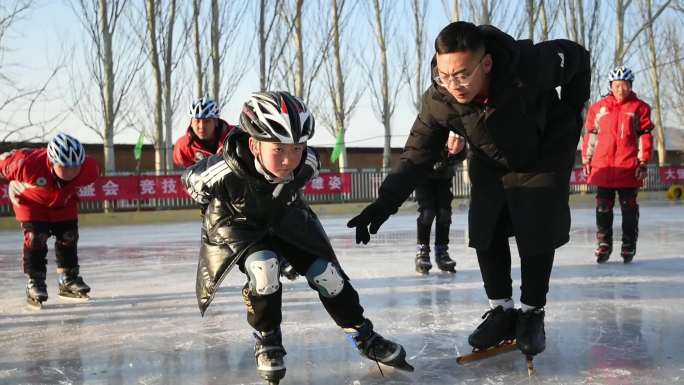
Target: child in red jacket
{"x": 43, "y": 189}
{"x": 615, "y": 150}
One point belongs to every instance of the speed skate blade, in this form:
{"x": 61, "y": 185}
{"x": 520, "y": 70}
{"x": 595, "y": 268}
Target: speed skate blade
{"x": 482, "y": 354}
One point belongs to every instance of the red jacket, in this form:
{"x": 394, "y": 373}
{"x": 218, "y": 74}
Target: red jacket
{"x": 188, "y": 149}
{"x": 36, "y": 193}
{"x": 617, "y": 138}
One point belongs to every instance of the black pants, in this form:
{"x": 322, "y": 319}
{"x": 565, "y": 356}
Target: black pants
{"x": 495, "y": 267}
{"x": 36, "y": 234}
{"x": 434, "y": 204}
{"x": 605, "y": 200}
{"x": 264, "y": 312}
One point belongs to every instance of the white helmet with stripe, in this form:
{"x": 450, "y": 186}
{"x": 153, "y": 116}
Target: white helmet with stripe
{"x": 277, "y": 117}
{"x": 621, "y": 73}
{"x": 65, "y": 150}
{"x": 204, "y": 108}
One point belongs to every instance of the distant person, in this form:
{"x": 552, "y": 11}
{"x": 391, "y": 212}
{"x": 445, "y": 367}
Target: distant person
{"x": 434, "y": 198}
{"x": 204, "y": 136}
{"x": 256, "y": 217}
{"x": 43, "y": 188}
{"x": 615, "y": 150}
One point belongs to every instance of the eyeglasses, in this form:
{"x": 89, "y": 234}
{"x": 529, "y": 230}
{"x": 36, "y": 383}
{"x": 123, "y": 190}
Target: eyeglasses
{"x": 458, "y": 80}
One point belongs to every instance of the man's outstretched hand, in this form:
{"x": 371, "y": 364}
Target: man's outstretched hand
{"x": 369, "y": 221}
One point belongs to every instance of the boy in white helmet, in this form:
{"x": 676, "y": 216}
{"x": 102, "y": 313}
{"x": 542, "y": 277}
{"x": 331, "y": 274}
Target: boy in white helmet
{"x": 43, "y": 189}
{"x": 255, "y": 215}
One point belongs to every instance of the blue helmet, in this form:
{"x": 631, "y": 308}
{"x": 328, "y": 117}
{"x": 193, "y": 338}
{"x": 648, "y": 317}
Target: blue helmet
{"x": 66, "y": 151}
{"x": 204, "y": 108}
{"x": 621, "y": 73}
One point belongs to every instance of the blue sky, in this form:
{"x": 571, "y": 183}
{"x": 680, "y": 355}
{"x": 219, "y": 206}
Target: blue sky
{"x": 38, "y": 41}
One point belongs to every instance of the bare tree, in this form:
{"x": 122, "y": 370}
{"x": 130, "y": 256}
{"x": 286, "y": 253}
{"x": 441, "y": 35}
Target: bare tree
{"x": 197, "y": 40}
{"x": 454, "y": 10}
{"x": 384, "y": 89}
{"x": 341, "y": 95}
{"x": 272, "y": 36}
{"x": 582, "y": 25}
{"x": 18, "y": 119}
{"x": 675, "y": 71}
{"x": 622, "y": 45}
{"x": 113, "y": 60}
{"x": 655, "y": 72}
{"x": 420, "y": 79}
{"x": 153, "y": 54}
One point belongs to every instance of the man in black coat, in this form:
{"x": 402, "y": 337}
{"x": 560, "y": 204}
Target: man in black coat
{"x": 501, "y": 95}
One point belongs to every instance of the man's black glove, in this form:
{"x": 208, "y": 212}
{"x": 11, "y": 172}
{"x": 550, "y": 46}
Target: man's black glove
{"x": 369, "y": 220}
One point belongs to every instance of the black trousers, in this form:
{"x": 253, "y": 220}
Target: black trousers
{"x": 434, "y": 198}
{"x": 605, "y": 200}
{"x": 264, "y": 312}
{"x": 36, "y": 234}
{"x": 495, "y": 267}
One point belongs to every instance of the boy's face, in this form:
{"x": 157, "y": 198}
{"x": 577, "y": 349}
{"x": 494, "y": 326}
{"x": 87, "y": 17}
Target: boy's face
{"x": 277, "y": 158}
{"x": 204, "y": 128}
{"x": 620, "y": 89}
{"x": 66, "y": 173}
{"x": 464, "y": 74}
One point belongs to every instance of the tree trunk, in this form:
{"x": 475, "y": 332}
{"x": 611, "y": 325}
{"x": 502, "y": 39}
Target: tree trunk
{"x": 619, "y": 32}
{"x": 156, "y": 71}
{"x": 455, "y": 11}
{"x": 168, "y": 70}
{"x": 340, "y": 108}
{"x": 215, "y": 51}
{"x": 530, "y": 19}
{"x": 299, "y": 51}
{"x": 262, "y": 46}
{"x": 199, "y": 67}
{"x": 386, "y": 114}
{"x": 108, "y": 88}
{"x": 655, "y": 82}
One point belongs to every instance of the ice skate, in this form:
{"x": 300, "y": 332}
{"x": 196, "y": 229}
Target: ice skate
{"x": 627, "y": 252}
{"x": 498, "y": 327}
{"x": 480, "y": 354}
{"x": 269, "y": 353}
{"x": 36, "y": 290}
{"x": 444, "y": 262}
{"x": 423, "y": 264}
{"x": 373, "y": 346}
{"x": 529, "y": 331}
{"x": 603, "y": 251}
{"x": 72, "y": 287}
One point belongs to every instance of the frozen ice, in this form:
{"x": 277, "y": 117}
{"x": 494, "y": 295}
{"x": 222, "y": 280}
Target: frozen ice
{"x": 605, "y": 324}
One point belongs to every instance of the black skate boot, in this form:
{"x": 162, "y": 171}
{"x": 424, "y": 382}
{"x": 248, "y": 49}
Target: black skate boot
{"x": 269, "y": 353}
{"x": 529, "y": 331}
{"x": 603, "y": 251}
{"x": 373, "y": 346}
{"x": 444, "y": 262}
{"x": 627, "y": 252}
{"x": 71, "y": 285}
{"x": 287, "y": 271}
{"x": 36, "y": 290}
{"x": 423, "y": 264}
{"x": 498, "y": 326}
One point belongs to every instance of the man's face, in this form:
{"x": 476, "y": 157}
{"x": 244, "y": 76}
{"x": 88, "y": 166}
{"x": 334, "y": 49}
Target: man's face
{"x": 204, "y": 128}
{"x": 66, "y": 173}
{"x": 277, "y": 158}
{"x": 620, "y": 89}
{"x": 464, "y": 74}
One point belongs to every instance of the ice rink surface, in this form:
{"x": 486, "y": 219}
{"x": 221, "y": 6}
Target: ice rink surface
{"x": 605, "y": 324}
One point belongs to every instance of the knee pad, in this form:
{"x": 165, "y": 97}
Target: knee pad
{"x": 325, "y": 278}
{"x": 34, "y": 240}
{"x": 427, "y": 215}
{"x": 444, "y": 217}
{"x": 69, "y": 238}
{"x": 604, "y": 205}
{"x": 629, "y": 202}
{"x": 263, "y": 270}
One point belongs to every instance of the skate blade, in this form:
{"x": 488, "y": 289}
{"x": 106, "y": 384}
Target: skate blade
{"x": 405, "y": 366}
{"x": 74, "y": 299}
{"x": 530, "y": 365}
{"x": 34, "y": 305}
{"x": 482, "y": 354}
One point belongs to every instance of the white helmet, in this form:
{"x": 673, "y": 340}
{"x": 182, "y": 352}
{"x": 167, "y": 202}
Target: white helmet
{"x": 204, "y": 108}
{"x": 277, "y": 117}
{"x": 621, "y": 73}
{"x": 66, "y": 151}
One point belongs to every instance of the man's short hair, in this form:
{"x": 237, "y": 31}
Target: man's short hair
{"x": 459, "y": 36}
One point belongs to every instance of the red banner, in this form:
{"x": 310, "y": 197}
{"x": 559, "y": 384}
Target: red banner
{"x": 672, "y": 174}
{"x": 329, "y": 183}
{"x": 134, "y": 187}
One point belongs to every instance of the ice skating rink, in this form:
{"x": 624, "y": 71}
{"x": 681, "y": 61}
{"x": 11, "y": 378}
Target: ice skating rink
{"x": 605, "y": 324}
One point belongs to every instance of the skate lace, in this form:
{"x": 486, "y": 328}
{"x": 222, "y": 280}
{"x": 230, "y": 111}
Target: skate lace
{"x": 372, "y": 346}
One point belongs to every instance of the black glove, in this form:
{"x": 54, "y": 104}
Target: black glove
{"x": 375, "y": 214}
